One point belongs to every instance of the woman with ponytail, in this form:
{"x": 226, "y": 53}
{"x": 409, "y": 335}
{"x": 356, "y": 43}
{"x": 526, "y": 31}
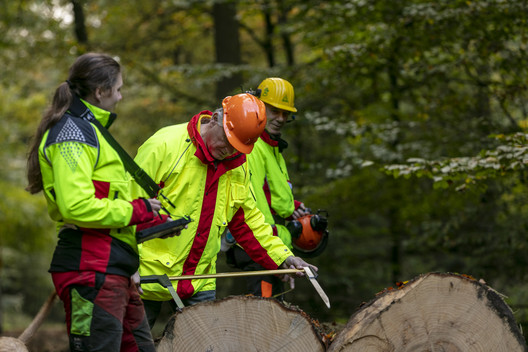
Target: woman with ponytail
{"x": 88, "y": 194}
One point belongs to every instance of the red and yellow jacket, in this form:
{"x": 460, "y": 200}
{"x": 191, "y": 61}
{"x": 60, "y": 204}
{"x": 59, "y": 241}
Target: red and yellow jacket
{"x": 88, "y": 194}
{"x": 215, "y": 194}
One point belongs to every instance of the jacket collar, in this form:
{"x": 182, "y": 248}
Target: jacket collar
{"x": 266, "y": 137}
{"x": 86, "y": 111}
{"x": 193, "y": 128}
{"x": 274, "y": 140}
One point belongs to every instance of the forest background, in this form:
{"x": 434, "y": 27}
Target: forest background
{"x": 411, "y": 130}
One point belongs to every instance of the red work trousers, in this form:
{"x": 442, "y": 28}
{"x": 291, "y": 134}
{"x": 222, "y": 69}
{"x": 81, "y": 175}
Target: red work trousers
{"x": 103, "y": 313}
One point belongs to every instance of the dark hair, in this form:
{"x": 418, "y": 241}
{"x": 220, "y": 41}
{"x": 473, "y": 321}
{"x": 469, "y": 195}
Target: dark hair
{"x": 89, "y": 72}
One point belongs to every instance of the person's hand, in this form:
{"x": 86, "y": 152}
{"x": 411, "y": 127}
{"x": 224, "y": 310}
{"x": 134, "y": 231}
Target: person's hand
{"x": 155, "y": 205}
{"x": 293, "y": 262}
{"x": 300, "y": 212}
{"x": 137, "y": 281}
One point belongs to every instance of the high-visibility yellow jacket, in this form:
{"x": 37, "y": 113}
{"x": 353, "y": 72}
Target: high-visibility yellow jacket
{"x": 86, "y": 185}
{"x": 271, "y": 183}
{"x": 215, "y": 194}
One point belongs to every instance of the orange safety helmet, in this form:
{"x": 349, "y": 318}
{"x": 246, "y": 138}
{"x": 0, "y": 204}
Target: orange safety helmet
{"x": 309, "y": 235}
{"x": 244, "y": 120}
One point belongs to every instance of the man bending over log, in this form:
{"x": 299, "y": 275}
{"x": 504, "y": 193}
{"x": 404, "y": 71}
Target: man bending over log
{"x": 202, "y": 169}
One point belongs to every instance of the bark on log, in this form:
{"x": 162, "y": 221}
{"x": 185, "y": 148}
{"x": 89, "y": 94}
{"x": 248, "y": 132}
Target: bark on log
{"x": 434, "y": 312}
{"x": 241, "y": 323}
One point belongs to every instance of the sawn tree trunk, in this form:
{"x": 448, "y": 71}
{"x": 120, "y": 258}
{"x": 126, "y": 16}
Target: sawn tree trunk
{"x": 434, "y": 312}
{"x": 241, "y": 323}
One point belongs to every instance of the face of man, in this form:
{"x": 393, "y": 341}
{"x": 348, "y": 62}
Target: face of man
{"x": 107, "y": 100}
{"x": 217, "y": 143}
{"x": 276, "y": 119}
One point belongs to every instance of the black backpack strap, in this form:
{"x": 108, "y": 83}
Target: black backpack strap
{"x": 139, "y": 175}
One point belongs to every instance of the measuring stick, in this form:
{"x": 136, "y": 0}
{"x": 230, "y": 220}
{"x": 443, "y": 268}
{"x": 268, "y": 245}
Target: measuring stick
{"x": 237, "y": 274}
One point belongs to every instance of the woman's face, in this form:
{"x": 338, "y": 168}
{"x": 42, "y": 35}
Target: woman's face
{"x": 107, "y": 100}
{"x": 276, "y": 119}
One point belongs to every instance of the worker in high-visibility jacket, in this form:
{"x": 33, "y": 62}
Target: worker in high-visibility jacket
{"x": 87, "y": 190}
{"x": 271, "y": 183}
{"x": 202, "y": 169}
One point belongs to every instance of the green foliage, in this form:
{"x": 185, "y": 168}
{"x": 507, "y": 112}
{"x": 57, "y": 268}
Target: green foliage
{"x": 423, "y": 82}
{"x": 507, "y": 158}
{"x": 22, "y": 214}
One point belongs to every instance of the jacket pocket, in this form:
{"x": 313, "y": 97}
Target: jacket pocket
{"x": 154, "y": 257}
{"x": 235, "y": 199}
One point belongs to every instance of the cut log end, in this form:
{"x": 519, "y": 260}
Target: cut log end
{"x": 11, "y": 344}
{"x": 241, "y": 323}
{"x": 434, "y": 312}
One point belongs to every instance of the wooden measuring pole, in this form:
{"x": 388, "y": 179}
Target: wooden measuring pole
{"x": 236, "y": 274}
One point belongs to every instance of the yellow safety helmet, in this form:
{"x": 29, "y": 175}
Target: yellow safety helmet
{"x": 244, "y": 120}
{"x": 277, "y": 92}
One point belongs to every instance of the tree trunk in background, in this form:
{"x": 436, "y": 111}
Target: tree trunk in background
{"x": 241, "y": 323}
{"x": 286, "y": 39}
{"x": 396, "y": 232}
{"x": 268, "y": 39}
{"x": 227, "y": 45}
{"x": 434, "y": 312}
{"x": 80, "y": 27}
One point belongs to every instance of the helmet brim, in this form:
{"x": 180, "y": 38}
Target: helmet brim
{"x": 280, "y": 106}
{"x": 236, "y": 143}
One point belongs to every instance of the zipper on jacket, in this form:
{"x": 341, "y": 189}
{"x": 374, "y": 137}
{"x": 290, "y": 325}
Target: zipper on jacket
{"x": 252, "y": 194}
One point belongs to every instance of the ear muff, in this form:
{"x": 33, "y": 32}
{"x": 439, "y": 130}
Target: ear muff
{"x": 309, "y": 235}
